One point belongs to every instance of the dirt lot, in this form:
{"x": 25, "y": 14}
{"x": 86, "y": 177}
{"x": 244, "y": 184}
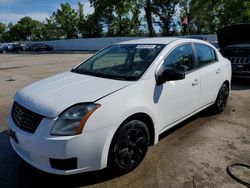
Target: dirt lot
{"x": 193, "y": 154}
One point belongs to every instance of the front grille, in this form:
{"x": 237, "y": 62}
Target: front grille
{"x": 239, "y": 60}
{"x": 25, "y": 119}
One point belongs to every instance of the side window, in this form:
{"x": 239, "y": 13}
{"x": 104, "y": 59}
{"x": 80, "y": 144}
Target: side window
{"x": 181, "y": 58}
{"x": 205, "y": 54}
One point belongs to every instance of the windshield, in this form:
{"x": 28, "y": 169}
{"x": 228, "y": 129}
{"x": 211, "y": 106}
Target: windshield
{"x": 122, "y": 62}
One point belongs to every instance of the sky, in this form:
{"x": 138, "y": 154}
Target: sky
{"x": 13, "y": 10}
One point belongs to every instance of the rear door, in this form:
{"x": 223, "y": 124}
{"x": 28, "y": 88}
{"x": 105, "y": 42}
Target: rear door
{"x": 210, "y": 73}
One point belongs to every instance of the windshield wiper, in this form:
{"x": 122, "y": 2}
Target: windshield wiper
{"x": 75, "y": 70}
{"x": 117, "y": 77}
{"x": 123, "y": 77}
{"x": 103, "y": 75}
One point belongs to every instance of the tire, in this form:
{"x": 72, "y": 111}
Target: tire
{"x": 128, "y": 147}
{"x": 221, "y": 100}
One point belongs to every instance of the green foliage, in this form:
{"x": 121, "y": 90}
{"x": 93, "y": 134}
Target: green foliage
{"x": 120, "y": 17}
{"x": 148, "y": 8}
{"x": 165, "y": 10}
{"x": 2, "y": 30}
{"x": 50, "y": 30}
{"x": 26, "y": 29}
{"x": 203, "y": 16}
{"x": 234, "y": 11}
{"x": 125, "y": 18}
{"x": 206, "y": 16}
{"x": 92, "y": 27}
{"x": 66, "y": 20}
{"x": 81, "y": 19}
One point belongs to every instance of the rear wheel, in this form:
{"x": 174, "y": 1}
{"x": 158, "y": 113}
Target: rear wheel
{"x": 129, "y": 146}
{"x": 221, "y": 100}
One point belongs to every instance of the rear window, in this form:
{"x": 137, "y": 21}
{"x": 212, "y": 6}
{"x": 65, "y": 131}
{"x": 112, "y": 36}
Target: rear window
{"x": 205, "y": 54}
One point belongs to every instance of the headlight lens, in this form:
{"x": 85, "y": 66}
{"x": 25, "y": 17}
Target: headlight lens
{"x": 71, "y": 122}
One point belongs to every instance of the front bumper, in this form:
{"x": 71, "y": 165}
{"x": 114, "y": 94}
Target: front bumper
{"x": 90, "y": 148}
{"x": 240, "y": 67}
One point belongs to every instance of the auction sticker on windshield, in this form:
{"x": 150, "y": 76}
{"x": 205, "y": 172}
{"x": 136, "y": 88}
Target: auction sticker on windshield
{"x": 146, "y": 46}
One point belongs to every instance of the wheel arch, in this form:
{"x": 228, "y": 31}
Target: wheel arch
{"x": 144, "y": 118}
{"x": 228, "y": 84}
{"x": 141, "y": 116}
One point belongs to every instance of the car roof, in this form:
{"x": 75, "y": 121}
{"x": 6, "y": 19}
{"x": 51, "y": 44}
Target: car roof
{"x": 152, "y": 40}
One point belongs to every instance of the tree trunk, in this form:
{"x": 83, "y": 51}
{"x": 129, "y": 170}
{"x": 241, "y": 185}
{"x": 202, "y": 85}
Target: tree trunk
{"x": 148, "y": 15}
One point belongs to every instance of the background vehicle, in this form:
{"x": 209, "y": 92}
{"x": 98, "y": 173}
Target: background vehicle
{"x": 234, "y": 42}
{"x": 10, "y": 47}
{"x": 24, "y": 46}
{"x": 39, "y": 47}
{"x": 107, "y": 111}
{"x": 3, "y": 48}
{"x": 215, "y": 44}
{"x": 197, "y": 37}
{"x": 16, "y": 47}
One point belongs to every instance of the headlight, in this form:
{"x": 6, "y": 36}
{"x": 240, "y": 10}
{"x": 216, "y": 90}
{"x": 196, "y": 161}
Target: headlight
{"x": 71, "y": 121}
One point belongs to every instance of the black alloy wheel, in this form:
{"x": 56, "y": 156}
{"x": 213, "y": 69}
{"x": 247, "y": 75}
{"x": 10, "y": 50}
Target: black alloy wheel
{"x": 129, "y": 146}
{"x": 221, "y": 100}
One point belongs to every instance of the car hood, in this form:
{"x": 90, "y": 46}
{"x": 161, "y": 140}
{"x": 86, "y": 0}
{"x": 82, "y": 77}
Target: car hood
{"x": 50, "y": 96}
{"x": 233, "y": 34}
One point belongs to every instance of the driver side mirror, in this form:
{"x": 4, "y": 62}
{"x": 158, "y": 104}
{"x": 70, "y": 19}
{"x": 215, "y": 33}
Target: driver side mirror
{"x": 169, "y": 75}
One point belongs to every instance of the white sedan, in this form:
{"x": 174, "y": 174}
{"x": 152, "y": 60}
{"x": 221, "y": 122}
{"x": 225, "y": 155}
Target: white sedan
{"x": 107, "y": 111}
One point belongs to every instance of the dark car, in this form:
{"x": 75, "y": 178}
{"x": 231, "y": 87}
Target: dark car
{"x": 215, "y": 44}
{"x": 39, "y": 47}
{"x": 16, "y": 48}
{"x": 3, "y": 48}
{"x": 10, "y": 47}
{"x": 234, "y": 43}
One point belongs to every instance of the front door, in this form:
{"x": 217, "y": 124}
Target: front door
{"x": 177, "y": 99}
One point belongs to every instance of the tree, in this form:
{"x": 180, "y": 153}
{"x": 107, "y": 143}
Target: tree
{"x": 66, "y": 20}
{"x": 234, "y": 11}
{"x": 123, "y": 18}
{"x": 50, "y": 31}
{"x": 148, "y": 8}
{"x": 2, "y": 30}
{"x": 104, "y": 11}
{"x": 120, "y": 17}
{"x": 136, "y": 19}
{"x": 81, "y": 19}
{"x": 5, "y": 37}
{"x": 26, "y": 29}
{"x": 165, "y": 10}
{"x": 205, "y": 17}
{"x": 92, "y": 26}
{"x": 185, "y": 15}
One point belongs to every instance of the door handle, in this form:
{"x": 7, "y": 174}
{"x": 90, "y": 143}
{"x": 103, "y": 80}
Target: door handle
{"x": 218, "y": 71}
{"x": 195, "y": 82}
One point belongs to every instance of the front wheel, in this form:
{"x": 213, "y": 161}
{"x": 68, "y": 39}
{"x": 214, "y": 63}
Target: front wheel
{"x": 221, "y": 100}
{"x": 129, "y": 146}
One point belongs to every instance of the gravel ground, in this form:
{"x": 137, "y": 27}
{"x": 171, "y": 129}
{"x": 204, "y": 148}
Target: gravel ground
{"x": 193, "y": 154}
